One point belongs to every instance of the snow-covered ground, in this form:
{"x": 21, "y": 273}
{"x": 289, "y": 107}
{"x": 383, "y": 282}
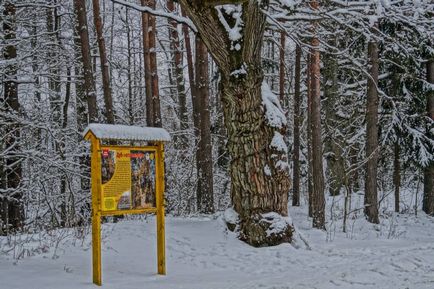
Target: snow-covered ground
{"x": 201, "y": 254}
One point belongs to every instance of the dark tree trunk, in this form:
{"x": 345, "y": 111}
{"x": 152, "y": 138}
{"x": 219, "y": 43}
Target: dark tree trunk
{"x": 309, "y": 137}
{"x": 205, "y": 195}
{"x": 333, "y": 142}
{"x": 258, "y": 170}
{"x": 371, "y": 198}
{"x": 153, "y": 111}
{"x": 428, "y": 195}
{"x": 282, "y": 68}
{"x": 318, "y": 204}
{"x": 147, "y": 64}
{"x": 11, "y": 206}
{"x": 396, "y": 174}
{"x": 296, "y": 132}
{"x": 108, "y": 100}
{"x": 129, "y": 74}
{"x": 89, "y": 83}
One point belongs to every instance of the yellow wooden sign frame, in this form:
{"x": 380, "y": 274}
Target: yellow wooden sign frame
{"x": 97, "y": 211}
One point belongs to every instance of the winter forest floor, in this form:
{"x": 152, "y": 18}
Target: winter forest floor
{"x": 201, "y": 254}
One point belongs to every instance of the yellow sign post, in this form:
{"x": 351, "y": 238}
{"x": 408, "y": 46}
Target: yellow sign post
{"x": 126, "y": 180}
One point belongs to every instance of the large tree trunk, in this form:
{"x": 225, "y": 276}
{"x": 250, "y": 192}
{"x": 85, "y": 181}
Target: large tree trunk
{"x": 108, "y": 100}
{"x": 296, "y": 132}
{"x": 89, "y": 83}
{"x": 370, "y": 200}
{"x": 205, "y": 194}
{"x": 318, "y": 204}
{"x": 254, "y": 120}
{"x": 428, "y": 196}
{"x": 11, "y": 206}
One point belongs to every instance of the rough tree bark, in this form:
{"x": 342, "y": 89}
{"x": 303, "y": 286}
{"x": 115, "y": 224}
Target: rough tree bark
{"x": 370, "y": 200}
{"x": 11, "y": 206}
{"x": 428, "y": 196}
{"x": 318, "y": 204}
{"x": 205, "y": 194}
{"x": 296, "y": 131}
{"x": 108, "y": 99}
{"x": 258, "y": 170}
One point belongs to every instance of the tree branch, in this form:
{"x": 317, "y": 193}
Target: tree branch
{"x": 149, "y": 10}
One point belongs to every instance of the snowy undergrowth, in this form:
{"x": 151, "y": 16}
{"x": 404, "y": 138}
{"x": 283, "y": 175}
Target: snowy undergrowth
{"x": 203, "y": 254}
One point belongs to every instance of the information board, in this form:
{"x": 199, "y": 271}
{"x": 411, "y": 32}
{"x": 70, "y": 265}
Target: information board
{"x": 128, "y": 178}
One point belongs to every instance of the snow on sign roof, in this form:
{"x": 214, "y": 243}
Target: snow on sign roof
{"x": 126, "y": 132}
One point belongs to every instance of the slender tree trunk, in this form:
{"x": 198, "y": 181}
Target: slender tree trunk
{"x": 89, "y": 83}
{"x": 282, "y": 68}
{"x": 317, "y": 165}
{"x": 154, "y": 71}
{"x": 147, "y": 66}
{"x": 205, "y": 194}
{"x": 179, "y": 75}
{"x": 296, "y": 132}
{"x": 428, "y": 196}
{"x": 11, "y": 205}
{"x": 259, "y": 167}
{"x": 129, "y": 76}
{"x": 396, "y": 174}
{"x": 309, "y": 137}
{"x": 108, "y": 100}
{"x": 371, "y": 198}
{"x": 53, "y": 62}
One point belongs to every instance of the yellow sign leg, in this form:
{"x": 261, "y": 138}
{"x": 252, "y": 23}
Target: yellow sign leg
{"x": 96, "y": 213}
{"x": 96, "y": 249}
{"x": 161, "y": 243}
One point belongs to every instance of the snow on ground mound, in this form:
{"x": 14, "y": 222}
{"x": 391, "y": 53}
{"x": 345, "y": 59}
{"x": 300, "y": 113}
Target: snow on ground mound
{"x": 201, "y": 254}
